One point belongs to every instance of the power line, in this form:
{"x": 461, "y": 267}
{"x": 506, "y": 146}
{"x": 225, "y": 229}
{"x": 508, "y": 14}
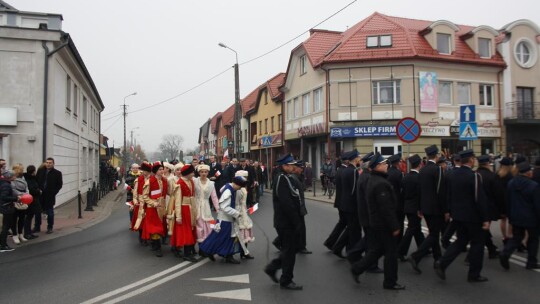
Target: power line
{"x": 120, "y": 116}
{"x": 298, "y": 36}
{"x": 109, "y": 118}
{"x": 107, "y": 114}
{"x": 246, "y": 62}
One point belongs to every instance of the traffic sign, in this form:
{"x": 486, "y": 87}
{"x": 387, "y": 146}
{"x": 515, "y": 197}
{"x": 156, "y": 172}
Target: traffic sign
{"x": 408, "y": 130}
{"x": 467, "y": 113}
{"x": 266, "y": 141}
{"x": 468, "y": 131}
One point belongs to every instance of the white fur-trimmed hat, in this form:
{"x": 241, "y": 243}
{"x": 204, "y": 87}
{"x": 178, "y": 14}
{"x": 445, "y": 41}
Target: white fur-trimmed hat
{"x": 242, "y": 173}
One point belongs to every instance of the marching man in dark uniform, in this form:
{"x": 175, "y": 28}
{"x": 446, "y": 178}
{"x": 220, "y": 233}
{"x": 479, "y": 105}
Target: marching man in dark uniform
{"x": 469, "y": 210}
{"x": 384, "y": 225}
{"x": 433, "y": 207}
{"x": 296, "y": 177}
{"x": 411, "y": 194}
{"x": 395, "y": 177}
{"x": 288, "y": 223}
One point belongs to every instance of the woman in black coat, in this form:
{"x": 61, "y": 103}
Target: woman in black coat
{"x": 7, "y": 207}
{"x": 35, "y": 208}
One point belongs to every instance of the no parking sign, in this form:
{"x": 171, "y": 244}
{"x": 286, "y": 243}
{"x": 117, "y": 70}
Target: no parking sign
{"x": 408, "y": 130}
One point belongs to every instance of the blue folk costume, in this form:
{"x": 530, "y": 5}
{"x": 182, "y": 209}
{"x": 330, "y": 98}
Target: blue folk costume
{"x": 224, "y": 240}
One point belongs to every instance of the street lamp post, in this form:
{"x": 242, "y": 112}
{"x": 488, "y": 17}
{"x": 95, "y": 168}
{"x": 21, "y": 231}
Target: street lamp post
{"x": 124, "y": 155}
{"x": 131, "y": 143}
{"x": 237, "y": 109}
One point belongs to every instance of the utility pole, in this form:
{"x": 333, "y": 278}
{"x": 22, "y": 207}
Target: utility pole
{"x": 124, "y": 154}
{"x": 237, "y": 109}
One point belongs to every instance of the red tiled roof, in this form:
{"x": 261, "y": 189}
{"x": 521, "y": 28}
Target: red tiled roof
{"x": 249, "y": 102}
{"x": 407, "y": 42}
{"x": 273, "y": 85}
{"x": 228, "y": 116}
{"x": 319, "y": 43}
{"x": 213, "y": 123}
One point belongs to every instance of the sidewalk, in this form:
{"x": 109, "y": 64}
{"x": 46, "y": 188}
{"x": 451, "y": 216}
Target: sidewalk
{"x": 67, "y": 221}
{"x": 316, "y": 195}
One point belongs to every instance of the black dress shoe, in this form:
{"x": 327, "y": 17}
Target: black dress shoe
{"x": 414, "y": 265}
{"x": 159, "y": 254}
{"x": 49, "y": 231}
{"x": 231, "y": 260}
{"x": 402, "y": 258}
{"x": 375, "y": 269}
{"x": 305, "y": 251}
{"x": 493, "y": 254}
{"x": 338, "y": 254}
{"x": 271, "y": 273}
{"x": 36, "y": 230}
{"x": 247, "y": 257}
{"x": 327, "y": 245}
{"x": 478, "y": 279}
{"x": 533, "y": 266}
{"x": 190, "y": 258}
{"x": 355, "y": 276}
{"x": 394, "y": 287}
{"x": 503, "y": 260}
{"x": 439, "y": 270}
{"x": 291, "y": 286}
{"x": 31, "y": 236}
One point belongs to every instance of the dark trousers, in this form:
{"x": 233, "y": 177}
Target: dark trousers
{"x": 435, "y": 224}
{"x": 414, "y": 229}
{"x": 467, "y": 232}
{"x": 354, "y": 230}
{"x": 518, "y": 234}
{"x": 449, "y": 231}
{"x": 302, "y": 237}
{"x": 7, "y": 222}
{"x": 338, "y": 230}
{"x": 50, "y": 218}
{"x": 380, "y": 243}
{"x": 37, "y": 221}
{"x": 28, "y": 222}
{"x": 287, "y": 255}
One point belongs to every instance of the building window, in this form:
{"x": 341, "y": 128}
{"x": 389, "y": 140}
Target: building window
{"x": 272, "y": 124}
{"x": 68, "y": 94}
{"x": 260, "y": 127}
{"x": 464, "y": 93}
{"x": 279, "y": 122}
{"x": 266, "y": 126}
{"x": 265, "y": 99}
{"x": 487, "y": 146}
{"x": 379, "y": 41}
{"x": 317, "y": 100}
{"x": 305, "y": 102}
{"x": 296, "y": 105}
{"x": 525, "y": 53}
{"x": 445, "y": 92}
{"x": 443, "y": 43}
{"x": 84, "y": 110}
{"x": 486, "y": 95}
{"x": 484, "y": 47}
{"x": 75, "y": 100}
{"x": 386, "y": 92}
{"x": 290, "y": 110}
{"x": 303, "y": 62}
{"x": 245, "y": 135}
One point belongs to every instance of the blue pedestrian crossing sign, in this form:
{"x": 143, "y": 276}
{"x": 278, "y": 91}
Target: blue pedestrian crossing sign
{"x": 467, "y": 113}
{"x": 468, "y": 131}
{"x": 266, "y": 141}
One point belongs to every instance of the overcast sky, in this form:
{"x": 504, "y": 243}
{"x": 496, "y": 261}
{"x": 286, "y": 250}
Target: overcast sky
{"x": 163, "y": 48}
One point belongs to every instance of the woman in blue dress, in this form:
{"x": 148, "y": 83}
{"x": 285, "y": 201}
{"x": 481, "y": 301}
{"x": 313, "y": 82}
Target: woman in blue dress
{"x": 223, "y": 241}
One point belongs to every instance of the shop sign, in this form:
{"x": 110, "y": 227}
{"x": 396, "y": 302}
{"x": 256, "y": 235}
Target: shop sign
{"x": 437, "y": 131}
{"x": 362, "y": 131}
{"x": 313, "y": 129}
{"x": 489, "y": 132}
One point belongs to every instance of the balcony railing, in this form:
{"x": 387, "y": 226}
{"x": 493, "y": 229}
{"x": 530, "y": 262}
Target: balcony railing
{"x": 524, "y": 110}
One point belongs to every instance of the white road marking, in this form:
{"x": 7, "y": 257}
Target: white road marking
{"x": 157, "y": 283}
{"x": 135, "y": 284}
{"x": 242, "y": 278}
{"x": 238, "y": 294}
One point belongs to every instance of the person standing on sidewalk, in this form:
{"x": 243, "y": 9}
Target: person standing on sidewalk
{"x": 50, "y": 182}
{"x": 7, "y": 207}
{"x": 524, "y": 214}
{"x": 19, "y": 187}
{"x": 35, "y": 208}
{"x": 131, "y": 177}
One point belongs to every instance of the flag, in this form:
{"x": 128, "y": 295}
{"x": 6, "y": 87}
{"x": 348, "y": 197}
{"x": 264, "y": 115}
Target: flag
{"x": 226, "y": 154}
{"x": 253, "y": 208}
{"x": 217, "y": 173}
{"x": 132, "y": 149}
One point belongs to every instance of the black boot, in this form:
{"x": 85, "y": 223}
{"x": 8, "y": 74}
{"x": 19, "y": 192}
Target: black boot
{"x": 231, "y": 260}
{"x": 158, "y": 251}
{"x": 188, "y": 254}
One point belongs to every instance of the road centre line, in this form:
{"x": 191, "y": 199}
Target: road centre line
{"x": 157, "y": 283}
{"x": 135, "y": 284}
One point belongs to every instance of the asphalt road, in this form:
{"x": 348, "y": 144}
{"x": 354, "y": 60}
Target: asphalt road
{"x": 105, "y": 264}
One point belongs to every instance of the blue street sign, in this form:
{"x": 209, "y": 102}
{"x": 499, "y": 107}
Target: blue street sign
{"x": 467, "y": 113}
{"x": 266, "y": 141}
{"x": 468, "y": 131}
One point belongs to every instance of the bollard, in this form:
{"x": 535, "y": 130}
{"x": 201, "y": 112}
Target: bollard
{"x": 88, "y": 204}
{"x": 314, "y": 187}
{"x": 79, "y": 199}
{"x": 94, "y": 194}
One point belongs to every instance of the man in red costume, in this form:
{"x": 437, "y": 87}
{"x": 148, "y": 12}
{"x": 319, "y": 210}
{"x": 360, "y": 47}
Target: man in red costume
{"x": 138, "y": 214}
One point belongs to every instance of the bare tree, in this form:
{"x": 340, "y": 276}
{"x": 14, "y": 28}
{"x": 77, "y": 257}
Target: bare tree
{"x": 170, "y": 146}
